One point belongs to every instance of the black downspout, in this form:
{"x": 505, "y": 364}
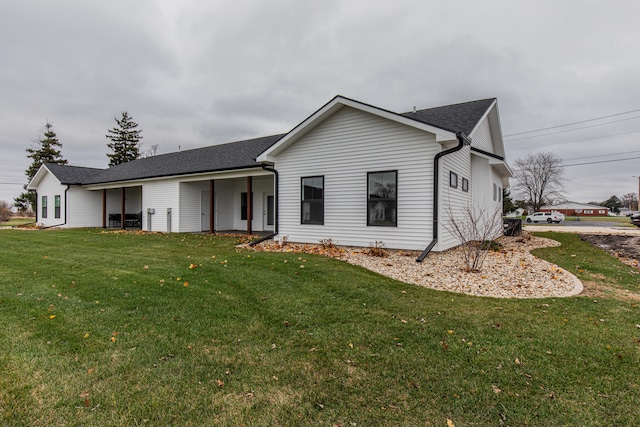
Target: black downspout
{"x": 275, "y": 208}
{"x": 66, "y": 199}
{"x": 462, "y": 141}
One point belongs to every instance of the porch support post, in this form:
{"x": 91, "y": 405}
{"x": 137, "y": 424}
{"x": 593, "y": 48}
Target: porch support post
{"x": 123, "y": 210}
{"x": 249, "y": 204}
{"x": 104, "y": 208}
{"x": 212, "y": 187}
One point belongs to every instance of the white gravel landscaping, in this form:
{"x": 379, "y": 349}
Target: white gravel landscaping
{"x": 511, "y": 272}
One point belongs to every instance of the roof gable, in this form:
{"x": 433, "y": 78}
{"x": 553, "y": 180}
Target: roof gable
{"x": 65, "y": 174}
{"x": 338, "y": 103}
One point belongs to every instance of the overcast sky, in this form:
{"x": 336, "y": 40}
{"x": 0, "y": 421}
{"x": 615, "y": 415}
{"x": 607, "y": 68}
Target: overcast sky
{"x": 195, "y": 73}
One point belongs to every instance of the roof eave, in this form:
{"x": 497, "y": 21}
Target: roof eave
{"x": 42, "y": 172}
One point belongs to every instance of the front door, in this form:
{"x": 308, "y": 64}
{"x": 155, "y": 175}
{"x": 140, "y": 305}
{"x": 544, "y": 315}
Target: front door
{"x": 268, "y": 212}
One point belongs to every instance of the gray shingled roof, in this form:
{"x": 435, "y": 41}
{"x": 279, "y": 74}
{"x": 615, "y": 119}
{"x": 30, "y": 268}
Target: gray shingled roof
{"x": 457, "y": 117}
{"x": 72, "y": 174}
{"x": 230, "y": 156}
{"x": 242, "y": 154}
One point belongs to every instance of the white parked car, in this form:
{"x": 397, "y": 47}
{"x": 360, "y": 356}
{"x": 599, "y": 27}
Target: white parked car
{"x": 548, "y": 217}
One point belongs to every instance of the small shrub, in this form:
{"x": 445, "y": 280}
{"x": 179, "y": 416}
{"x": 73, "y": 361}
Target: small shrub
{"x": 327, "y": 243}
{"x": 5, "y": 211}
{"x": 377, "y": 249}
{"x": 284, "y": 241}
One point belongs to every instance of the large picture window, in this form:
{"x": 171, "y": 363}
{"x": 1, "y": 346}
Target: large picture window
{"x": 312, "y": 200}
{"x": 56, "y": 200}
{"x": 44, "y": 206}
{"x": 382, "y": 191}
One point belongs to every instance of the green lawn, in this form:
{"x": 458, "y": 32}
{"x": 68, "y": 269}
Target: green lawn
{"x": 618, "y": 220}
{"x": 17, "y": 221}
{"x": 117, "y": 329}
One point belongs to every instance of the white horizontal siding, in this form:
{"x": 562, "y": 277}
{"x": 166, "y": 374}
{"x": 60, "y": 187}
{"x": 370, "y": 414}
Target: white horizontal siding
{"x": 484, "y": 178}
{"x": 482, "y": 138}
{"x": 84, "y": 208}
{"x": 50, "y": 187}
{"x": 224, "y": 204}
{"x": 161, "y": 195}
{"x": 190, "y": 209}
{"x": 454, "y": 203}
{"x": 343, "y": 149}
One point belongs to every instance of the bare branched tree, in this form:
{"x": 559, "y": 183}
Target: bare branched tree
{"x": 538, "y": 178}
{"x": 475, "y": 229}
{"x": 5, "y": 211}
{"x": 629, "y": 200}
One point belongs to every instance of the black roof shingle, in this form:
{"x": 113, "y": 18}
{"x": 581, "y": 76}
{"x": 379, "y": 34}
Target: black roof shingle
{"x": 457, "y": 117}
{"x": 230, "y": 156}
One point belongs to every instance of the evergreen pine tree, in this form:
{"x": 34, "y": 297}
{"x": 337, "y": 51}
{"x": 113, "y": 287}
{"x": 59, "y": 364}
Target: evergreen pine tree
{"x": 48, "y": 151}
{"x": 125, "y": 141}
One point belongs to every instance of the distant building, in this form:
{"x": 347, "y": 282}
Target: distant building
{"x": 577, "y": 209}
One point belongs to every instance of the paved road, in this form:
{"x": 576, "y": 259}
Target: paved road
{"x": 585, "y": 227}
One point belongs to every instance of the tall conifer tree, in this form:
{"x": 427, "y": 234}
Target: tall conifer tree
{"x": 125, "y": 141}
{"x": 48, "y": 151}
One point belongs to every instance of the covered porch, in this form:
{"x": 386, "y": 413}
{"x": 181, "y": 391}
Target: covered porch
{"x": 223, "y": 205}
{"x": 122, "y": 207}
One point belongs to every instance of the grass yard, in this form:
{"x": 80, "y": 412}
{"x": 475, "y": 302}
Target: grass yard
{"x": 617, "y": 220}
{"x": 132, "y": 329}
{"x": 17, "y": 221}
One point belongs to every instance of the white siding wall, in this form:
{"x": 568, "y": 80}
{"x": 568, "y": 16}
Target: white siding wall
{"x": 114, "y": 201}
{"x": 224, "y": 204}
{"x": 160, "y": 195}
{"x": 84, "y": 207}
{"x": 484, "y": 179}
{"x": 50, "y": 187}
{"x": 343, "y": 149}
{"x": 190, "y": 209}
{"x": 481, "y": 181}
{"x": 454, "y": 203}
{"x": 481, "y": 138}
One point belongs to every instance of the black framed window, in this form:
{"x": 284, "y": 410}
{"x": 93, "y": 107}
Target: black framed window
{"x": 243, "y": 205}
{"x": 453, "y": 179}
{"x": 495, "y": 192}
{"x": 44, "y": 206}
{"x": 312, "y": 200}
{"x": 465, "y": 184}
{"x": 382, "y": 198}
{"x": 56, "y": 205}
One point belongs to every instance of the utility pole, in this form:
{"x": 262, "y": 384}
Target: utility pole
{"x": 638, "y": 198}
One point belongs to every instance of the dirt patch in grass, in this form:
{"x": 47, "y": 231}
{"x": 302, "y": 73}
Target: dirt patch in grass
{"x": 598, "y": 290}
{"x": 625, "y": 248}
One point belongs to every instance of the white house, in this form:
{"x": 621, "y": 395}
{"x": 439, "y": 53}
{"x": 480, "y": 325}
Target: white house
{"x": 350, "y": 172}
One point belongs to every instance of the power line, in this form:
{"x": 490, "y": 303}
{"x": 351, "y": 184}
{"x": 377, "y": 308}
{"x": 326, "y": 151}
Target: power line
{"x": 573, "y": 140}
{"x": 571, "y": 124}
{"x": 603, "y": 155}
{"x": 601, "y": 161}
{"x": 572, "y": 130}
